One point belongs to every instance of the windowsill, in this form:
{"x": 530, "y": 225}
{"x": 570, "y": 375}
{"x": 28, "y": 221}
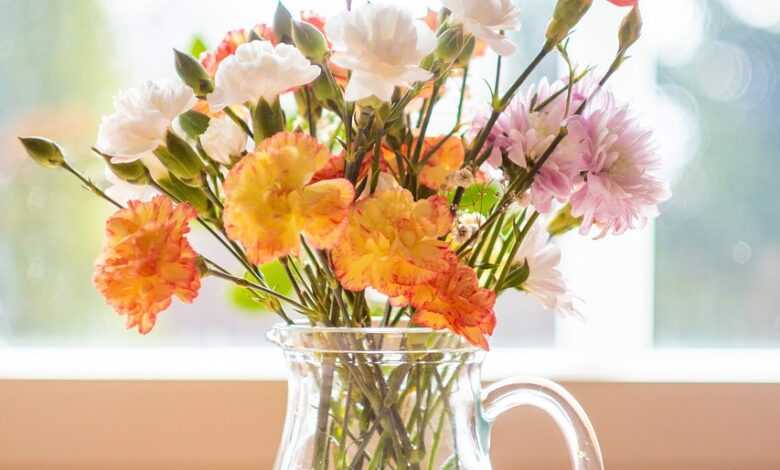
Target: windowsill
{"x": 266, "y": 363}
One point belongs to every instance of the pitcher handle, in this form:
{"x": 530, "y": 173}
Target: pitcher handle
{"x": 550, "y": 397}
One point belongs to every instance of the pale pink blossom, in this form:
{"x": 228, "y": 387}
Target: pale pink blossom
{"x": 620, "y": 189}
{"x": 522, "y": 134}
{"x": 545, "y": 281}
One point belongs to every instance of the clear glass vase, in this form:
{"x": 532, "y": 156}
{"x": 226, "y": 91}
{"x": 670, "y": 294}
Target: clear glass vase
{"x": 404, "y": 398}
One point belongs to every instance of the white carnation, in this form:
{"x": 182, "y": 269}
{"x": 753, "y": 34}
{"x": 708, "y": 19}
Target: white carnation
{"x": 260, "y": 70}
{"x": 223, "y": 139}
{"x": 545, "y": 282}
{"x": 485, "y": 19}
{"x": 141, "y": 118}
{"x": 383, "y": 46}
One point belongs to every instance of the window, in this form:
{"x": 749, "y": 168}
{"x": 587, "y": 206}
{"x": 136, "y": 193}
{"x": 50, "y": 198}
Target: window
{"x": 704, "y": 275}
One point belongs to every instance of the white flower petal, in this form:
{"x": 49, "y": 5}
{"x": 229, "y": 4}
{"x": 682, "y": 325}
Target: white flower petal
{"x": 141, "y": 118}
{"x": 363, "y": 85}
{"x": 382, "y": 45}
{"x": 223, "y": 139}
{"x": 485, "y": 19}
{"x": 260, "y": 70}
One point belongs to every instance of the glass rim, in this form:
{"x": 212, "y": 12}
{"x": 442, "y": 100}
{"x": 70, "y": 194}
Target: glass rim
{"x": 281, "y": 333}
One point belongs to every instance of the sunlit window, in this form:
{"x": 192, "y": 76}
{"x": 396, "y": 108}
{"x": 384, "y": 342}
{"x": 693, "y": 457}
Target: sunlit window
{"x": 706, "y": 274}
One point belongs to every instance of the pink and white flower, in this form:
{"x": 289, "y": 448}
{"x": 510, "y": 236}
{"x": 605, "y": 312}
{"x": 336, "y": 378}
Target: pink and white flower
{"x": 621, "y": 189}
{"x": 545, "y": 282}
{"x": 382, "y": 45}
{"x": 524, "y": 133}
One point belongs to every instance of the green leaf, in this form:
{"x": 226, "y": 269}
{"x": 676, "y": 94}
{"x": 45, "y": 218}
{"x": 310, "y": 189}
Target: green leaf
{"x": 516, "y": 277}
{"x": 194, "y": 123}
{"x": 276, "y": 277}
{"x": 197, "y": 46}
{"x": 479, "y": 198}
{"x": 245, "y": 300}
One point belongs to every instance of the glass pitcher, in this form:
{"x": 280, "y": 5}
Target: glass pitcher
{"x": 404, "y": 398}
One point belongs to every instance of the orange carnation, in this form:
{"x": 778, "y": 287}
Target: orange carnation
{"x": 392, "y": 242}
{"x": 454, "y": 300}
{"x": 446, "y": 160}
{"x": 270, "y": 199}
{"x": 147, "y": 260}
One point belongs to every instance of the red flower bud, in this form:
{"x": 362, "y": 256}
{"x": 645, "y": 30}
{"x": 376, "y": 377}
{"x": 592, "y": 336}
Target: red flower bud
{"x": 624, "y": 3}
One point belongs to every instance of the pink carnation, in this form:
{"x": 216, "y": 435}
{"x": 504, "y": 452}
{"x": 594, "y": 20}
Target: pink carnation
{"x": 524, "y": 135}
{"x": 620, "y": 190}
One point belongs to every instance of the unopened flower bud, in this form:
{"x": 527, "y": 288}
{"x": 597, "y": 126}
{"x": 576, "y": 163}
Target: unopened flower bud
{"x": 563, "y": 222}
{"x": 267, "y": 119}
{"x": 283, "y": 23}
{"x": 468, "y": 50}
{"x": 450, "y": 44}
{"x": 565, "y": 17}
{"x": 202, "y": 265}
{"x": 186, "y": 193}
{"x": 324, "y": 90}
{"x": 310, "y": 41}
{"x": 630, "y": 29}
{"x": 180, "y": 159}
{"x": 132, "y": 172}
{"x": 193, "y": 74}
{"x": 43, "y": 151}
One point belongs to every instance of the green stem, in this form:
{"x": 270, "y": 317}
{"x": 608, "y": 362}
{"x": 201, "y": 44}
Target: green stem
{"x": 515, "y": 248}
{"x": 498, "y": 73}
{"x": 309, "y": 113}
{"x": 461, "y": 99}
{"x": 426, "y": 121}
{"x": 240, "y": 122}
{"x": 244, "y": 283}
{"x": 90, "y": 185}
{"x": 321, "y": 438}
{"x": 506, "y": 99}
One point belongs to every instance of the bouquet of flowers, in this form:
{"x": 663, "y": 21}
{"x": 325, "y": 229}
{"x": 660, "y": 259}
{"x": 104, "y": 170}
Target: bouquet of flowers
{"x": 347, "y": 189}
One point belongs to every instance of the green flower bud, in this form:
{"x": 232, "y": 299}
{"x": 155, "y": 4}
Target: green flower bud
{"x": 180, "y": 159}
{"x": 310, "y": 41}
{"x": 283, "y": 23}
{"x": 203, "y": 267}
{"x": 187, "y": 193}
{"x": 468, "y": 50}
{"x": 323, "y": 89}
{"x": 630, "y": 29}
{"x": 563, "y": 222}
{"x": 565, "y": 17}
{"x": 133, "y": 172}
{"x": 193, "y": 74}
{"x": 267, "y": 119}
{"x": 43, "y": 151}
{"x": 450, "y": 44}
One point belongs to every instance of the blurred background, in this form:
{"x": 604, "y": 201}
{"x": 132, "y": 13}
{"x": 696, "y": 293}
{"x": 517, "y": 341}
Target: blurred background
{"x": 692, "y": 298}
{"x": 704, "y": 77}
